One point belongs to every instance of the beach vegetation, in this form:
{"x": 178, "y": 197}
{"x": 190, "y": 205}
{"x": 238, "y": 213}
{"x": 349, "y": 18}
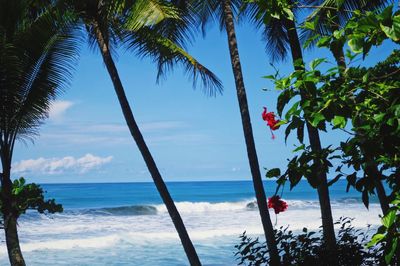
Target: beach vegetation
{"x": 360, "y": 100}
{"x": 307, "y": 248}
{"x": 31, "y": 197}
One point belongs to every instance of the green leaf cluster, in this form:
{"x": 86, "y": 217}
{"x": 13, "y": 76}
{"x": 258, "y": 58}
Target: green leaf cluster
{"x": 307, "y": 247}
{"x": 30, "y": 197}
{"x": 363, "y": 102}
{"x": 388, "y": 234}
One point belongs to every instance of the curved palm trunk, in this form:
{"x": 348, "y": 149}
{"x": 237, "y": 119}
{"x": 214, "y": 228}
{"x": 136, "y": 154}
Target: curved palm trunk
{"x": 248, "y": 134}
{"x": 10, "y": 219}
{"x": 315, "y": 142}
{"x": 12, "y": 241}
{"x": 380, "y": 190}
{"x": 337, "y": 48}
{"x": 137, "y": 136}
{"x": 338, "y": 54}
{"x": 372, "y": 172}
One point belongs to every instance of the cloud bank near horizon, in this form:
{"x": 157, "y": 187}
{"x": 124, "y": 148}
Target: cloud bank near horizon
{"x": 54, "y": 166}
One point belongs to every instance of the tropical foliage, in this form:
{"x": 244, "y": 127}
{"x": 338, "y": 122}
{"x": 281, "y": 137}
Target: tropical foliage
{"x": 31, "y": 197}
{"x": 361, "y": 101}
{"x": 307, "y": 247}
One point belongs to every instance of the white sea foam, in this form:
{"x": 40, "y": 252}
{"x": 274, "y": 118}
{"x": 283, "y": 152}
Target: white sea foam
{"x": 66, "y": 244}
{"x": 190, "y": 207}
{"x": 250, "y": 204}
{"x": 214, "y": 226}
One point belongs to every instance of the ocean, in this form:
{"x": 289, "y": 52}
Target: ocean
{"x": 127, "y": 224}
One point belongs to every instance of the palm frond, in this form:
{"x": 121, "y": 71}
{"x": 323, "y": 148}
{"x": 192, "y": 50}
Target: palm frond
{"x": 11, "y": 70}
{"x": 176, "y": 22}
{"x": 148, "y": 13}
{"x": 209, "y": 11}
{"x": 36, "y": 64}
{"x": 166, "y": 54}
{"x": 164, "y": 39}
{"x": 273, "y": 33}
{"x": 276, "y": 39}
{"x": 48, "y": 73}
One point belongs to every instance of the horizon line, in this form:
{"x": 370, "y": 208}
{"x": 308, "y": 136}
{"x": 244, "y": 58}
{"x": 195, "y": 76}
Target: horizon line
{"x": 135, "y": 182}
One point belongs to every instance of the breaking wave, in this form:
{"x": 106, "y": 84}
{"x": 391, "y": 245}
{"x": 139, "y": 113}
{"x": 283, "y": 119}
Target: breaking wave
{"x": 198, "y": 207}
{"x": 124, "y": 210}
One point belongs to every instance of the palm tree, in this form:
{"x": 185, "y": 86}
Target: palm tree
{"x": 281, "y": 36}
{"x": 150, "y": 28}
{"x": 331, "y": 15}
{"x": 37, "y": 57}
{"x": 223, "y": 11}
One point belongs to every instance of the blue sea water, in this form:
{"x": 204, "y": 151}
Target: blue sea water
{"x": 127, "y": 224}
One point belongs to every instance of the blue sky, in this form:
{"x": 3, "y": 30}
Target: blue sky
{"x": 191, "y": 136}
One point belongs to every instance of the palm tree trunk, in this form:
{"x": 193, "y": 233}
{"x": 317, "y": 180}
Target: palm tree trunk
{"x": 12, "y": 241}
{"x": 148, "y": 158}
{"x": 9, "y": 217}
{"x": 338, "y": 54}
{"x": 372, "y": 167}
{"x": 315, "y": 142}
{"x": 372, "y": 171}
{"x": 383, "y": 200}
{"x": 248, "y": 134}
{"x": 337, "y": 48}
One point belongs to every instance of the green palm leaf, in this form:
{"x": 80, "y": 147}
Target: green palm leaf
{"x": 37, "y": 59}
{"x": 167, "y": 54}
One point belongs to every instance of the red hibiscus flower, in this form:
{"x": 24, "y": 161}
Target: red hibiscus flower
{"x": 269, "y": 117}
{"x": 277, "y": 204}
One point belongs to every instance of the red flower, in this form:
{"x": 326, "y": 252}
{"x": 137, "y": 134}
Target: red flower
{"x": 277, "y": 204}
{"x": 269, "y": 117}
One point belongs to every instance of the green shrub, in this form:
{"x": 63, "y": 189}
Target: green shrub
{"x": 307, "y": 248}
{"x": 30, "y": 197}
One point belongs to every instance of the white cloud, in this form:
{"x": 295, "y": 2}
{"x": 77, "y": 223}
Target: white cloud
{"x": 58, "y": 109}
{"x": 60, "y": 165}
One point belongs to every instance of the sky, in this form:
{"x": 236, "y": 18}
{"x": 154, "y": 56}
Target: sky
{"x": 192, "y": 137}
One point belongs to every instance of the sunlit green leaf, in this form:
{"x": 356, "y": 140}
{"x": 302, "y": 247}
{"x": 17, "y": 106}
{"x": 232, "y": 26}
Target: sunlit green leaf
{"x": 317, "y": 118}
{"x": 389, "y": 218}
{"x": 339, "y": 121}
{"x": 375, "y": 240}
{"x": 356, "y": 44}
{"x": 389, "y": 256}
